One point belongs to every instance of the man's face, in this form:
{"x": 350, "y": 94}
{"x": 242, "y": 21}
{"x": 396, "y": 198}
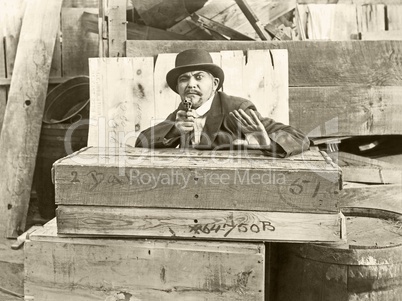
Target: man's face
{"x": 197, "y": 86}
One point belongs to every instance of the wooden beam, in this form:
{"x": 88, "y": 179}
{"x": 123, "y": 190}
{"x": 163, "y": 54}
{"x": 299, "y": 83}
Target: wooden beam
{"x": 23, "y": 119}
{"x": 252, "y": 18}
{"x": 371, "y": 63}
{"x": 134, "y": 31}
{"x": 117, "y": 28}
{"x": 221, "y": 29}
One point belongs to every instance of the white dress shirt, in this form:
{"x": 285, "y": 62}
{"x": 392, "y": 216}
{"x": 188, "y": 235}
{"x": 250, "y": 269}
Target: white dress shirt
{"x": 200, "y": 118}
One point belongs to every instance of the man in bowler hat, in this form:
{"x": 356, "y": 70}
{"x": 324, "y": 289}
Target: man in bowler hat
{"x": 216, "y": 120}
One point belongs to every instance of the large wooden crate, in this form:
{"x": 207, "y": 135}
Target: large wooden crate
{"x": 193, "y": 194}
{"x": 81, "y": 269}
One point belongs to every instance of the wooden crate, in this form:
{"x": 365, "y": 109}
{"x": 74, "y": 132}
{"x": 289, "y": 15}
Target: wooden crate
{"x": 193, "y": 194}
{"x": 79, "y": 269}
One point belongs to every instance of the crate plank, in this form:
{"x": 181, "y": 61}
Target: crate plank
{"x": 127, "y": 85}
{"x": 311, "y": 63}
{"x": 83, "y": 269}
{"x": 153, "y": 178}
{"x": 198, "y": 224}
{"x": 23, "y": 118}
{"x": 78, "y": 44}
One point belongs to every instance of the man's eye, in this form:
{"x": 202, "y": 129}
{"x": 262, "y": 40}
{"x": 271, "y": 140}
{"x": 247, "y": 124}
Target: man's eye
{"x": 182, "y": 79}
{"x": 199, "y": 76}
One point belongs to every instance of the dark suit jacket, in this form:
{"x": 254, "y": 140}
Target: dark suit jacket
{"x": 221, "y": 130}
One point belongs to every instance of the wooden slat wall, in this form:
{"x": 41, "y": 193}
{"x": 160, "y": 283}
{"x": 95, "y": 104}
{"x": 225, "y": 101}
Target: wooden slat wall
{"x": 266, "y": 83}
{"x": 324, "y": 79}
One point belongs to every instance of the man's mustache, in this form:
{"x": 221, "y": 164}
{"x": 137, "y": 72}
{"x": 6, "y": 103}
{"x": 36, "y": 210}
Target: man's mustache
{"x": 194, "y": 92}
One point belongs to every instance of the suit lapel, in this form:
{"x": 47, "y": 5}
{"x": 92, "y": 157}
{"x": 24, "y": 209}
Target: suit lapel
{"x": 213, "y": 122}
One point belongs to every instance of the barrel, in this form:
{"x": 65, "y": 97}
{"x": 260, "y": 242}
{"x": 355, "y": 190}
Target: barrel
{"x": 368, "y": 266}
{"x": 56, "y": 141}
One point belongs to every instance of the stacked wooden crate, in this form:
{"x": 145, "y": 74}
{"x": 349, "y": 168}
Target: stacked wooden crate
{"x": 204, "y": 214}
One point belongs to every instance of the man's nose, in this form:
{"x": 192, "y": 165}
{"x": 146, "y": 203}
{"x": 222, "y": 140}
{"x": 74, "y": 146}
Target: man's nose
{"x": 192, "y": 82}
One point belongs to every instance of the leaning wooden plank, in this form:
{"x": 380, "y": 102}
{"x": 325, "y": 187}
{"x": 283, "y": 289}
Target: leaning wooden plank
{"x": 13, "y": 14}
{"x": 346, "y": 110}
{"x": 117, "y": 28}
{"x": 23, "y": 118}
{"x": 3, "y": 71}
{"x": 118, "y": 118}
{"x": 171, "y": 178}
{"x": 85, "y": 269}
{"x": 388, "y": 35}
{"x": 222, "y": 29}
{"x": 371, "y": 63}
{"x": 384, "y": 197}
{"x": 78, "y": 44}
{"x": 200, "y": 224}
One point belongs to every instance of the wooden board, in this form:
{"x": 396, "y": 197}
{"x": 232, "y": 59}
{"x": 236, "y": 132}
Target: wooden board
{"x": 166, "y": 101}
{"x": 198, "y": 224}
{"x": 394, "y": 16}
{"x": 370, "y": 17}
{"x": 13, "y": 21}
{"x": 117, "y": 28}
{"x": 78, "y": 44}
{"x": 382, "y": 35}
{"x": 385, "y": 197}
{"x": 3, "y": 71}
{"x": 311, "y": 64}
{"x": 79, "y": 269}
{"x": 122, "y": 100}
{"x": 152, "y": 178}
{"x": 334, "y": 22}
{"x": 346, "y": 110}
{"x": 365, "y": 170}
{"x": 23, "y": 118}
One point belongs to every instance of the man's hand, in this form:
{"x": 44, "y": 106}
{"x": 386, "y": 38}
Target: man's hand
{"x": 252, "y": 128}
{"x": 185, "y": 121}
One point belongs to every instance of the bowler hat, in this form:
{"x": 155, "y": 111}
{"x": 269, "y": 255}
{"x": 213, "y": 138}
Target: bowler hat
{"x": 191, "y": 60}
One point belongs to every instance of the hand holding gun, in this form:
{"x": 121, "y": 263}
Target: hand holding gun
{"x": 185, "y": 138}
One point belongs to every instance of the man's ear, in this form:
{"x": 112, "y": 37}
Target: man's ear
{"x": 216, "y": 83}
